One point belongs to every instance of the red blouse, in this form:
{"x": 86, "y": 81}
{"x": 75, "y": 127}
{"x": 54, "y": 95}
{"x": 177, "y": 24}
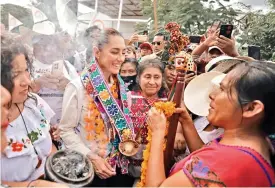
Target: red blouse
{"x": 226, "y": 166}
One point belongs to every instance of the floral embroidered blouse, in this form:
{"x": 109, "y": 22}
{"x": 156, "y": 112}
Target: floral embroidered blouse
{"x": 139, "y": 108}
{"x": 26, "y": 145}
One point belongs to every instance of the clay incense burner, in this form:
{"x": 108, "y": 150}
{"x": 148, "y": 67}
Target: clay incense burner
{"x": 69, "y": 167}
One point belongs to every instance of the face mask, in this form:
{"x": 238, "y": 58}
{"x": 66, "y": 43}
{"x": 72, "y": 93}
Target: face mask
{"x": 130, "y": 81}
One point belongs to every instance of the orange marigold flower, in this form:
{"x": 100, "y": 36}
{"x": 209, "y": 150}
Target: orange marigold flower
{"x": 99, "y": 121}
{"x": 168, "y": 108}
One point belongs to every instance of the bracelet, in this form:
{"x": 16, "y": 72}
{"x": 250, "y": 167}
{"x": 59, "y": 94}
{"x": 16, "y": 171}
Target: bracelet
{"x": 29, "y": 184}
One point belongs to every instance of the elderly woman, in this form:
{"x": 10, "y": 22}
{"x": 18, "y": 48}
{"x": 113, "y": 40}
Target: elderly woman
{"x": 242, "y": 156}
{"x": 151, "y": 88}
{"x": 96, "y": 105}
{"x": 27, "y": 133}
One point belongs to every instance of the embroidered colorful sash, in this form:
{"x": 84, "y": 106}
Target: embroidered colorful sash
{"x": 120, "y": 119}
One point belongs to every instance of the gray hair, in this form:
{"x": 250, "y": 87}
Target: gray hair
{"x": 152, "y": 63}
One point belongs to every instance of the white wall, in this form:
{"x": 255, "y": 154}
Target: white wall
{"x": 126, "y": 28}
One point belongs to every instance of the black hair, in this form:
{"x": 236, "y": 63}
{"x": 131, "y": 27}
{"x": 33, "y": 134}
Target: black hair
{"x": 156, "y": 64}
{"x": 256, "y": 81}
{"x": 159, "y": 34}
{"x": 10, "y": 48}
{"x": 132, "y": 61}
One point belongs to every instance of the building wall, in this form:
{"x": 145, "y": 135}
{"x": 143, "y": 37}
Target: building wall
{"x": 126, "y": 28}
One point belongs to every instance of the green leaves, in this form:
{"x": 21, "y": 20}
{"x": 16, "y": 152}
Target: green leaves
{"x": 260, "y": 30}
{"x": 253, "y": 28}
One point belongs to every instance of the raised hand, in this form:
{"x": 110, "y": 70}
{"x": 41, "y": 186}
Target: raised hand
{"x": 156, "y": 121}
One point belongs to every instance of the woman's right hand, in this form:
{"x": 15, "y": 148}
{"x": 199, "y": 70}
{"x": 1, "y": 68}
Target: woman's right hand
{"x": 102, "y": 168}
{"x": 44, "y": 183}
{"x": 184, "y": 115}
{"x": 156, "y": 121}
{"x": 211, "y": 40}
{"x": 134, "y": 38}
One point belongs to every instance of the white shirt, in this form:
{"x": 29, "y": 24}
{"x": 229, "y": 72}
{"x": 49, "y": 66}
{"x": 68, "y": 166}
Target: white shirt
{"x": 207, "y": 136}
{"x": 72, "y": 124}
{"x": 19, "y": 160}
{"x": 53, "y": 97}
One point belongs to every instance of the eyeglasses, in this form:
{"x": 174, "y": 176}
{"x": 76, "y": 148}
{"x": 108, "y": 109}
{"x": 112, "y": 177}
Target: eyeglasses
{"x": 158, "y": 43}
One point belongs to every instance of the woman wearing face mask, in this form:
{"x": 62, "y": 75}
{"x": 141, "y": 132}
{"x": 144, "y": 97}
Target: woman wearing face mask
{"x": 128, "y": 72}
{"x": 28, "y": 137}
{"x": 151, "y": 88}
{"x": 96, "y": 105}
{"x": 242, "y": 156}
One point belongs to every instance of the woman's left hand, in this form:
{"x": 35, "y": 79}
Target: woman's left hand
{"x": 190, "y": 76}
{"x": 156, "y": 121}
{"x": 55, "y": 132}
{"x": 228, "y": 45}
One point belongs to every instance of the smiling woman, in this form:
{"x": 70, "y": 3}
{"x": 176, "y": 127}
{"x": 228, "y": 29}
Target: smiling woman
{"x": 151, "y": 88}
{"x": 151, "y": 79}
{"x": 96, "y": 104}
{"x": 243, "y": 155}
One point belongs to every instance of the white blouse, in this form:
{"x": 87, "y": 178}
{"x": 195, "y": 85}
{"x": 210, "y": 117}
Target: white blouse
{"x": 207, "y": 136}
{"x": 72, "y": 124}
{"x": 19, "y": 160}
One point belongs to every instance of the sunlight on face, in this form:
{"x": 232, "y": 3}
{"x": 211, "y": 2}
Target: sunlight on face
{"x": 112, "y": 55}
{"x": 150, "y": 81}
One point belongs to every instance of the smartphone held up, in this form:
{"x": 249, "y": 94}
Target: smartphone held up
{"x": 142, "y": 38}
{"x": 226, "y": 30}
{"x": 254, "y": 52}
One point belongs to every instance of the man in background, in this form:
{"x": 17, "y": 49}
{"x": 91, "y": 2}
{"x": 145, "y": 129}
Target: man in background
{"x": 158, "y": 44}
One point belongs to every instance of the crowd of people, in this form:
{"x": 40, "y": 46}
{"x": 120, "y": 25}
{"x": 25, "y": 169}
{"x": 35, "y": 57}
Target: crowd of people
{"x": 100, "y": 97}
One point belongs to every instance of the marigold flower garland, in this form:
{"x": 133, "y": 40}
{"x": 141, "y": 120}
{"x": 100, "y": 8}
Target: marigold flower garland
{"x": 168, "y": 108}
{"x": 95, "y": 127}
